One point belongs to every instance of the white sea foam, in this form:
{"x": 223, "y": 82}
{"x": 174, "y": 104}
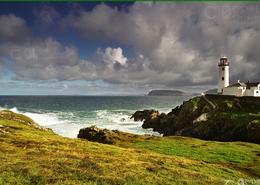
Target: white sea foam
{"x": 61, "y": 126}
{"x": 116, "y": 117}
{"x": 49, "y": 120}
{"x": 14, "y": 109}
{"x": 120, "y": 120}
{"x": 68, "y": 125}
{"x": 46, "y": 119}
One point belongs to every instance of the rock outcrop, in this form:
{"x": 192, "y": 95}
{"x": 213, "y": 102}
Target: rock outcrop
{"x": 105, "y": 136}
{"x": 145, "y": 115}
{"x": 210, "y": 117}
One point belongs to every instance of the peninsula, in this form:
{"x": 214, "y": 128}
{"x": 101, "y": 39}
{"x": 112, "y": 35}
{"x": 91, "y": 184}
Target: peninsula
{"x": 167, "y": 93}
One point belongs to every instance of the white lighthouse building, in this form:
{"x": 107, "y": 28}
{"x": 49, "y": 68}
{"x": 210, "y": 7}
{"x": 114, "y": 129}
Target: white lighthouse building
{"x": 223, "y": 74}
{"x": 237, "y": 89}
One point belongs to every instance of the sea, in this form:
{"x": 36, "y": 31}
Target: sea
{"x": 66, "y": 115}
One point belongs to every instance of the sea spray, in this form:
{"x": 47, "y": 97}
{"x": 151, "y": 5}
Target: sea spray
{"x": 67, "y": 115}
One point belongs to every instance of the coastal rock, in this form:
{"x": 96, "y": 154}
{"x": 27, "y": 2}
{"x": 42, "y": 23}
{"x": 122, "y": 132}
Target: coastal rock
{"x": 94, "y": 134}
{"x": 105, "y": 136}
{"x": 202, "y": 117}
{"x": 145, "y": 115}
{"x": 210, "y": 117}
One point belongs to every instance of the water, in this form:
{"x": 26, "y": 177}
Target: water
{"x": 67, "y": 114}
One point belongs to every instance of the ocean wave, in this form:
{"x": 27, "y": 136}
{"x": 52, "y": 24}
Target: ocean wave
{"x": 68, "y": 124}
{"x": 116, "y": 116}
{"x": 120, "y": 120}
{"x": 49, "y": 120}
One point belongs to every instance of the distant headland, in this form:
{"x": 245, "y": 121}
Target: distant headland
{"x": 168, "y": 93}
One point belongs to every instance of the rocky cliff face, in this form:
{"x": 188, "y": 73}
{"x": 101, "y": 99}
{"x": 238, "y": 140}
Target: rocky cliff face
{"x": 209, "y": 117}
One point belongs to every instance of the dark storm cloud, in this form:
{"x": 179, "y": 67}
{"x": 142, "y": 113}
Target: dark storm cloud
{"x": 182, "y": 42}
{"x": 13, "y": 29}
{"x": 173, "y": 44}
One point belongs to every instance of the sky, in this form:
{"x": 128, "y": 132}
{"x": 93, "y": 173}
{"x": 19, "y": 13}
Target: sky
{"x": 124, "y": 48}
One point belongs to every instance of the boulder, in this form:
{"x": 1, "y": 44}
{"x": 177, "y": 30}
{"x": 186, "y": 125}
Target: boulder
{"x": 105, "y": 136}
{"x": 94, "y": 134}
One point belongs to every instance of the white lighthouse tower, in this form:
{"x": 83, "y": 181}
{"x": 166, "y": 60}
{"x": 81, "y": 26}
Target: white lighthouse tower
{"x": 223, "y": 76}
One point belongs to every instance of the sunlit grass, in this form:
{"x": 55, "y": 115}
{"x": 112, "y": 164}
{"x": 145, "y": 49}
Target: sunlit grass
{"x": 29, "y": 155}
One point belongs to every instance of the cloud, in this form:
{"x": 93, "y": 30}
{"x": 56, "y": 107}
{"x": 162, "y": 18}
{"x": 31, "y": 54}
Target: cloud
{"x": 46, "y": 14}
{"x": 13, "y": 29}
{"x": 46, "y": 59}
{"x": 172, "y": 44}
{"x": 114, "y": 56}
{"x": 111, "y": 58}
{"x": 183, "y": 42}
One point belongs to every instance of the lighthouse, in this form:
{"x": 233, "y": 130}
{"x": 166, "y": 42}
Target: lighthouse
{"x": 223, "y": 76}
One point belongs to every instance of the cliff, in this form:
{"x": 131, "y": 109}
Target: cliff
{"x": 210, "y": 117}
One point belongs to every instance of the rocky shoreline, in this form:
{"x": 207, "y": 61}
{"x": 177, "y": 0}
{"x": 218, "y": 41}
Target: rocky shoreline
{"x": 210, "y": 117}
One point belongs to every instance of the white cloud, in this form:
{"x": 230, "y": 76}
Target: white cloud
{"x": 115, "y": 56}
{"x": 172, "y": 44}
{"x": 183, "y": 42}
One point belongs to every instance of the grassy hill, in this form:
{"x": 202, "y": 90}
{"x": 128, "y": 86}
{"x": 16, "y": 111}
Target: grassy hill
{"x": 30, "y": 154}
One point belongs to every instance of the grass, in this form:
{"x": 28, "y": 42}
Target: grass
{"x": 215, "y": 152}
{"x": 30, "y": 155}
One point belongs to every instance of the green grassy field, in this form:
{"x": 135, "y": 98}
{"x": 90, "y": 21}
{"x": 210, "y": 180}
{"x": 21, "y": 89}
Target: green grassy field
{"x": 29, "y": 155}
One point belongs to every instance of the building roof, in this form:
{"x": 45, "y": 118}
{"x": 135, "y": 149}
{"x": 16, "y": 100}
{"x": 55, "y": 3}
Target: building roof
{"x": 247, "y": 85}
{"x": 239, "y": 84}
{"x": 254, "y": 84}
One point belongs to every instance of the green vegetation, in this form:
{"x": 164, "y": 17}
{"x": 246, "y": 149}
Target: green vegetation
{"x": 32, "y": 155}
{"x": 217, "y": 152}
{"x": 209, "y": 117}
